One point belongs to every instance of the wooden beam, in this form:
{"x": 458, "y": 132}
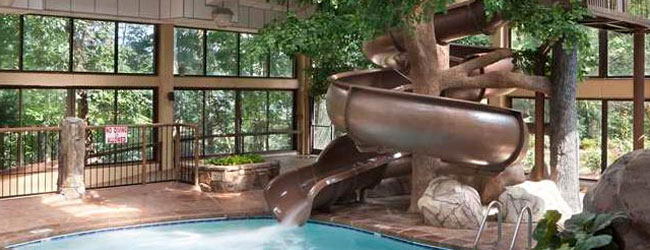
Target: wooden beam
{"x": 604, "y": 134}
{"x": 603, "y": 46}
{"x": 639, "y": 90}
{"x": 538, "y": 171}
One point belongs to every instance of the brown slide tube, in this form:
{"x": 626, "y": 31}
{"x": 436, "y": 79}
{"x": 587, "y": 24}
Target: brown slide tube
{"x": 380, "y": 120}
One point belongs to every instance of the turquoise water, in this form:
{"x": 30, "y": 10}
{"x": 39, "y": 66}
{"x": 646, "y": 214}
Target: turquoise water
{"x": 247, "y": 234}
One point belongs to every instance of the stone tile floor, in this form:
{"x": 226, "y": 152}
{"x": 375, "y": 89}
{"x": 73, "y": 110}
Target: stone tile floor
{"x": 389, "y": 216}
{"x": 28, "y": 218}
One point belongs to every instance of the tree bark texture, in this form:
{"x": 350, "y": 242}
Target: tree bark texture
{"x": 563, "y": 125}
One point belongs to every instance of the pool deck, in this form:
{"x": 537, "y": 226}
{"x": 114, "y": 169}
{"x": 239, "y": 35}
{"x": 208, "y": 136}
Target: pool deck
{"x": 29, "y": 218}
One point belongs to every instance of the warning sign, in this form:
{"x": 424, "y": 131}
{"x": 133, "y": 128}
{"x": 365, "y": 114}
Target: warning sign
{"x": 116, "y": 134}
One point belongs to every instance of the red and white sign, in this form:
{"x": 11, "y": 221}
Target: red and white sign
{"x": 116, "y": 134}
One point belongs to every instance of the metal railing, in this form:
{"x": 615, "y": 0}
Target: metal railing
{"x": 151, "y": 153}
{"x": 28, "y": 160}
{"x": 635, "y": 8}
{"x": 499, "y": 208}
{"x": 528, "y": 211}
{"x": 29, "y": 157}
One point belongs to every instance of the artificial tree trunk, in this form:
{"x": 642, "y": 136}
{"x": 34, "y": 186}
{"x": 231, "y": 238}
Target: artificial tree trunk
{"x": 426, "y": 60}
{"x": 564, "y": 124}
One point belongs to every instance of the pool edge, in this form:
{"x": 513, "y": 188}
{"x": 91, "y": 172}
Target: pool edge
{"x": 222, "y": 219}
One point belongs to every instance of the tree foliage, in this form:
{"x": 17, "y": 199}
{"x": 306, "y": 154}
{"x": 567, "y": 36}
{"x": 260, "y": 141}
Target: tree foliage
{"x": 333, "y": 35}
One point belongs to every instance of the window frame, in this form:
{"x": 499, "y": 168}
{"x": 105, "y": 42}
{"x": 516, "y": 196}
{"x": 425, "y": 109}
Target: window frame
{"x": 70, "y": 59}
{"x": 603, "y": 56}
{"x": 238, "y": 134}
{"x": 267, "y": 73}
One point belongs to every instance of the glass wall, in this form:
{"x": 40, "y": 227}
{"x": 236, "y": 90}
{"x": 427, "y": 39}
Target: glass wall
{"x": 188, "y": 51}
{"x": 322, "y": 131}
{"x": 620, "y": 59}
{"x": 112, "y": 106}
{"x": 93, "y": 46}
{"x": 226, "y": 54}
{"x": 136, "y": 48}
{"x": 46, "y": 45}
{"x": 222, "y": 49}
{"x": 620, "y": 56}
{"x": 9, "y": 41}
{"x": 239, "y": 121}
{"x": 619, "y": 129}
{"x": 32, "y": 107}
{"x": 589, "y": 131}
{"x": 64, "y": 44}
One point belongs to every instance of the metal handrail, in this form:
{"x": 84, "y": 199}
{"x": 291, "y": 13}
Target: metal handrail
{"x": 499, "y": 207}
{"x": 530, "y": 227}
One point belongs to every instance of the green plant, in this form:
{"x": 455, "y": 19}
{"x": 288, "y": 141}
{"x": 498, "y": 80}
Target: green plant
{"x": 582, "y": 231}
{"x": 235, "y": 160}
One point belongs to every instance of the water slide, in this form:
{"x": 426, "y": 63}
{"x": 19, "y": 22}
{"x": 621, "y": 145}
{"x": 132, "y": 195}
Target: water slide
{"x": 383, "y": 120}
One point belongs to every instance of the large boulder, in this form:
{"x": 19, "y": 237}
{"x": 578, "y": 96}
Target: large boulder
{"x": 624, "y": 187}
{"x": 450, "y": 204}
{"x": 540, "y": 196}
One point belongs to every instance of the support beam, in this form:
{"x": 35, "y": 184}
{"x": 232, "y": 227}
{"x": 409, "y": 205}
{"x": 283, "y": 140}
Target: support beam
{"x": 500, "y": 39}
{"x": 165, "y": 107}
{"x": 539, "y": 170}
{"x": 604, "y": 135}
{"x": 639, "y": 88}
{"x": 302, "y": 111}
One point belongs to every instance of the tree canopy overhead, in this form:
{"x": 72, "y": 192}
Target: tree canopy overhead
{"x": 333, "y": 35}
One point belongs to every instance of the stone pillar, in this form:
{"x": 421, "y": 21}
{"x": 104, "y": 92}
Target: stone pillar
{"x": 71, "y": 159}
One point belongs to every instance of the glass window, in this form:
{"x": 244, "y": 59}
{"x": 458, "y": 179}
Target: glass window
{"x": 475, "y": 40}
{"x": 188, "y": 51}
{"x": 96, "y": 106}
{"x": 589, "y": 57}
{"x": 251, "y": 64}
{"x": 280, "y": 110}
{"x": 135, "y": 106}
{"x": 9, "y": 113}
{"x": 221, "y": 53}
{"x": 43, "y": 107}
{"x": 219, "y": 121}
{"x": 46, "y": 44}
{"x": 94, "y": 46}
{"x": 589, "y": 129}
{"x": 323, "y": 131}
{"x": 620, "y": 59}
{"x": 188, "y": 107}
{"x": 136, "y": 48}
{"x": 280, "y": 119}
{"x": 619, "y": 129}
{"x": 281, "y": 65}
{"x": 9, "y": 41}
{"x": 254, "y": 119}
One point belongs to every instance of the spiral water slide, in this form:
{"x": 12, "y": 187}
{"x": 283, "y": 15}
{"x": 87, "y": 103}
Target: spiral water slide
{"x": 382, "y": 121}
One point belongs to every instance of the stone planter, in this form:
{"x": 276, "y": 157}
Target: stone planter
{"x": 237, "y": 178}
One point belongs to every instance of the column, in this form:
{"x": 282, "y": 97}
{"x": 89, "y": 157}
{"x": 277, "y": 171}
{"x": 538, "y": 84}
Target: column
{"x": 639, "y": 79}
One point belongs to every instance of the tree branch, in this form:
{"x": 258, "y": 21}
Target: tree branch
{"x": 483, "y": 61}
{"x": 500, "y": 79}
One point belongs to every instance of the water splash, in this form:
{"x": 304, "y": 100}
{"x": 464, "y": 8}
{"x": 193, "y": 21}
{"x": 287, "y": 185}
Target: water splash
{"x": 297, "y": 215}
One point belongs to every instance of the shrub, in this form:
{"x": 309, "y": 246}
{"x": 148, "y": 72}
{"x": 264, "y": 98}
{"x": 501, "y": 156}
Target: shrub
{"x": 582, "y": 231}
{"x": 235, "y": 160}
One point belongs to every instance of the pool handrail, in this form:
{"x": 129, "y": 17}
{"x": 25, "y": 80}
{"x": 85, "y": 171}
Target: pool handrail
{"x": 525, "y": 209}
{"x": 483, "y": 225}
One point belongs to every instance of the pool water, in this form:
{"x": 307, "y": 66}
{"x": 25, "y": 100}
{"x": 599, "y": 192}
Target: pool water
{"x": 244, "y": 234}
